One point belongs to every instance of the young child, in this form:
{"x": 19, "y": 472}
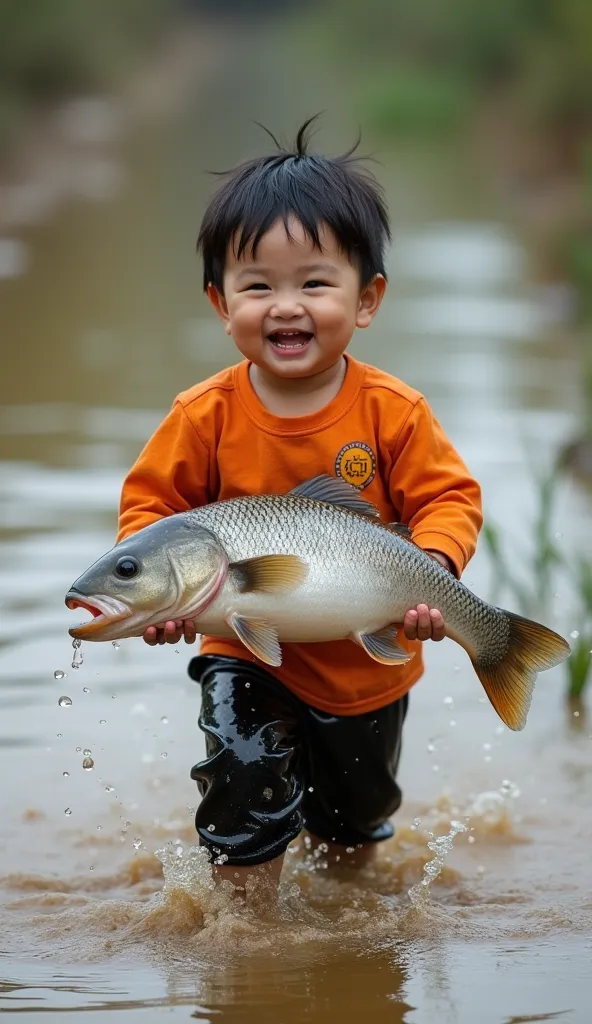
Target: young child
{"x": 293, "y": 247}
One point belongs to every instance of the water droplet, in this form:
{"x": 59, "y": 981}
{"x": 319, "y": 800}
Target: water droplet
{"x": 487, "y": 746}
{"x": 510, "y": 789}
{"x": 99, "y": 827}
{"x": 164, "y": 754}
{"x": 78, "y": 750}
{"x": 87, "y": 752}
{"x": 311, "y": 789}
{"x": 221, "y": 859}
{"x": 59, "y": 735}
{"x": 449, "y": 702}
{"x": 65, "y": 702}
{"x": 452, "y": 723}
{"x": 211, "y": 828}
{"x": 102, "y": 721}
{"x": 471, "y": 839}
{"x": 59, "y": 674}
{"x": 92, "y": 867}
{"x": 77, "y": 657}
{"x": 487, "y": 758}
{"x": 113, "y": 696}
{"x": 558, "y": 535}
{"x": 247, "y": 686}
{"x": 436, "y": 768}
{"x": 164, "y": 720}
{"x": 267, "y": 793}
{"x": 177, "y": 651}
{"x": 88, "y": 764}
{"x": 109, "y": 789}
{"x": 576, "y": 714}
{"x": 137, "y": 844}
{"x": 85, "y": 689}
{"x": 349, "y": 849}
{"x": 66, "y": 775}
{"x": 574, "y": 634}
{"x": 115, "y": 644}
{"x": 499, "y": 730}
{"x": 67, "y": 812}
{"x": 431, "y": 748}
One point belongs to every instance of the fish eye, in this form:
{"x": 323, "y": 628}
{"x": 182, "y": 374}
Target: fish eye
{"x": 126, "y": 567}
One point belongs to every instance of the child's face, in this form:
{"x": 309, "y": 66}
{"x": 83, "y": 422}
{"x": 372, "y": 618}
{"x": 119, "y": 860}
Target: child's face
{"x": 292, "y": 309}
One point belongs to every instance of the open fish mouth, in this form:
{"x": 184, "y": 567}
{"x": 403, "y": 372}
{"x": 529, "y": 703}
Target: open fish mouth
{"x": 105, "y": 611}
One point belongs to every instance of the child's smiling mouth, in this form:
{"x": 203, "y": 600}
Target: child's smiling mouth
{"x": 290, "y": 341}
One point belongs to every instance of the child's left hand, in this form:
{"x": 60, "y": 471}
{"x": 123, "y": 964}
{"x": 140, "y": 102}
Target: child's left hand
{"x": 424, "y": 623}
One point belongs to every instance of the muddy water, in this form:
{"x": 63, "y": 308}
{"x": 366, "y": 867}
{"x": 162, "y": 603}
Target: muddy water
{"x": 106, "y": 907}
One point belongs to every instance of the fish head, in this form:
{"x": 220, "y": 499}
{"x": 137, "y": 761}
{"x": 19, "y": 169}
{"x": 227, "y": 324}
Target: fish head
{"x": 168, "y": 570}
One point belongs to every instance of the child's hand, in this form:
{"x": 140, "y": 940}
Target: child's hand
{"x": 423, "y": 623}
{"x": 170, "y": 632}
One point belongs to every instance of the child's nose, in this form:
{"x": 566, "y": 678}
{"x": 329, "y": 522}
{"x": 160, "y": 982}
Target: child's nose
{"x": 286, "y": 305}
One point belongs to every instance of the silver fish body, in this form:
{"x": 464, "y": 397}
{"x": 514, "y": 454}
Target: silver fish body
{"x": 309, "y": 566}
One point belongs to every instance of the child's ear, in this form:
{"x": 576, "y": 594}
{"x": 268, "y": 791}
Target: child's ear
{"x": 371, "y": 296}
{"x": 219, "y": 303}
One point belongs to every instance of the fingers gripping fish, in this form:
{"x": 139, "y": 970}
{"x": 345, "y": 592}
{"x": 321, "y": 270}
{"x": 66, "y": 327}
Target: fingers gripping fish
{"x": 315, "y": 564}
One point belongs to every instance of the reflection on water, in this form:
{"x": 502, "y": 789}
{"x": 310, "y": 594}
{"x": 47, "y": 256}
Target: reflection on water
{"x": 103, "y": 324}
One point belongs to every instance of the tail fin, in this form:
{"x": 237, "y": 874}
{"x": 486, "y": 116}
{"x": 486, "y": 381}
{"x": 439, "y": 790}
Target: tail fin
{"x": 509, "y": 682}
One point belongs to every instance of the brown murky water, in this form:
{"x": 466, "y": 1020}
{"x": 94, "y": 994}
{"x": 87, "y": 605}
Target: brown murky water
{"x": 99, "y": 332}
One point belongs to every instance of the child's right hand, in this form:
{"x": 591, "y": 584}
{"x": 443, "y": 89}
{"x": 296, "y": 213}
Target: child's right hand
{"x": 170, "y": 632}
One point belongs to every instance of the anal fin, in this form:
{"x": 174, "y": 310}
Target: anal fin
{"x": 259, "y": 637}
{"x": 383, "y": 646}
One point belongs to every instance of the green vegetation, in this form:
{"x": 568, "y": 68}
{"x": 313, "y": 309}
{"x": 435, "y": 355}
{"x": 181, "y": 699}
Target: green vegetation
{"x": 531, "y": 582}
{"x": 52, "y": 47}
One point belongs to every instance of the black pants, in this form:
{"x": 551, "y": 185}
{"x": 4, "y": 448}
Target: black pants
{"x": 275, "y": 765}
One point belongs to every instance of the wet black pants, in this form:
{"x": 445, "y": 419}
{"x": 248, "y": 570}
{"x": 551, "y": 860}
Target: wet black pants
{"x": 275, "y": 765}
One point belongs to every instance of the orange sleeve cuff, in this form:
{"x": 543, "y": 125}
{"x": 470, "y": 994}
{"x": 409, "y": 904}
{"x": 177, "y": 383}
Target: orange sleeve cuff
{"x": 446, "y": 545}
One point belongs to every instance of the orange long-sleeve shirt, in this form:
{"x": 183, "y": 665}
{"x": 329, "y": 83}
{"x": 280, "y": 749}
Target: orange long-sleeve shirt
{"x": 219, "y": 441}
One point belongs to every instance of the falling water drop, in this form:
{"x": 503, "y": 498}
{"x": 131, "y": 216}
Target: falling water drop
{"x": 67, "y": 812}
{"x": 77, "y": 657}
{"x": 164, "y": 720}
{"x": 164, "y": 754}
{"x": 109, "y": 789}
{"x": 59, "y": 674}
{"x": 102, "y": 721}
{"x": 449, "y": 702}
{"x": 211, "y": 828}
{"x": 137, "y": 844}
{"x": 66, "y": 775}
{"x": 85, "y": 689}
{"x": 87, "y": 752}
{"x": 574, "y": 634}
{"x": 88, "y": 764}
{"x": 115, "y": 644}
{"x": 65, "y": 702}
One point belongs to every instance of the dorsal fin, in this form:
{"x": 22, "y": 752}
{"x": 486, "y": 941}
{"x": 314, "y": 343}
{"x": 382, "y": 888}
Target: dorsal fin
{"x": 401, "y": 528}
{"x": 337, "y": 492}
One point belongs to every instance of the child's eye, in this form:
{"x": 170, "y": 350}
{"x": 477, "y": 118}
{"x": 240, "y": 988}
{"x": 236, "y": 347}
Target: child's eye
{"x": 315, "y": 284}
{"x": 256, "y": 286}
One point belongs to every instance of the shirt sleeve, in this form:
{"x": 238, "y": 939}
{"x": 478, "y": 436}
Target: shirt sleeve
{"x": 170, "y": 475}
{"x": 432, "y": 489}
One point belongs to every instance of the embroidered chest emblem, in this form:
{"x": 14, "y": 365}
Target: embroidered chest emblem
{"x": 356, "y": 464}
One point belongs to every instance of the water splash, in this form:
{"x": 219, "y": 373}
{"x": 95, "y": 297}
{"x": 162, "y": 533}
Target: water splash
{"x": 77, "y": 657}
{"x": 440, "y": 847}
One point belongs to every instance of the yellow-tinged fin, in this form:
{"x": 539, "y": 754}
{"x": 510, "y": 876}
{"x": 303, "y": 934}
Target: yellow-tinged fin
{"x": 336, "y": 492}
{"x": 269, "y": 573}
{"x": 383, "y": 646}
{"x": 509, "y": 683}
{"x": 259, "y": 637}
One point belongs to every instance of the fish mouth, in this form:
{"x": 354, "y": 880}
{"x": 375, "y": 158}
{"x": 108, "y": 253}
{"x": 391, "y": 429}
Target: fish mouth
{"x": 105, "y": 611}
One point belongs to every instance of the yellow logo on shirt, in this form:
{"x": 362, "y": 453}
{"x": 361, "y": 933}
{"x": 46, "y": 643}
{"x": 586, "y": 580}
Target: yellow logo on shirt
{"x": 356, "y": 464}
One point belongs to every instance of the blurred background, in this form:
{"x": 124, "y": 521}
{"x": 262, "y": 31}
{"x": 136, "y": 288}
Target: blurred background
{"x": 478, "y": 116}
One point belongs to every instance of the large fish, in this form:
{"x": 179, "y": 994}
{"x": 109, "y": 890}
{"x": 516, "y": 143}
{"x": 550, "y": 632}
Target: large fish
{"x": 311, "y": 565}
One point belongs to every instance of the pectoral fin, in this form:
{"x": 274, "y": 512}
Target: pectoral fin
{"x": 269, "y": 573}
{"x": 382, "y": 646}
{"x": 260, "y": 637}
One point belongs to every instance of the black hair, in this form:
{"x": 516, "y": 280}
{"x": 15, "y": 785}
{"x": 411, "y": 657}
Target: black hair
{"x": 314, "y": 189}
